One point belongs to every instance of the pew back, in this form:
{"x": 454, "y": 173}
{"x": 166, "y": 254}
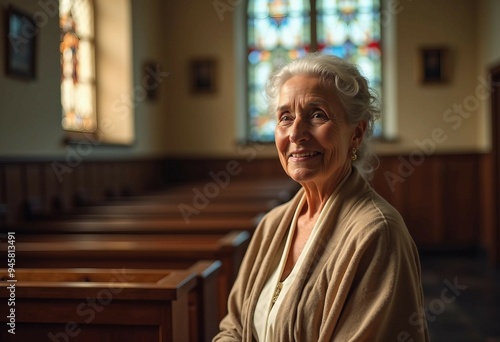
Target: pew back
{"x": 89, "y": 304}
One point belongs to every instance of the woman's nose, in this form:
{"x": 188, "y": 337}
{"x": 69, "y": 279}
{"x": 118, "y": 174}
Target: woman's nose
{"x": 299, "y": 131}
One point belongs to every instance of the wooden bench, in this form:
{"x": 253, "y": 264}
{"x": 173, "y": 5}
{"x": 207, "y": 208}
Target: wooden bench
{"x": 138, "y": 225}
{"x": 253, "y": 184}
{"x": 241, "y": 199}
{"x": 158, "y": 208}
{"x": 95, "y": 304}
{"x": 186, "y": 197}
{"x": 135, "y": 251}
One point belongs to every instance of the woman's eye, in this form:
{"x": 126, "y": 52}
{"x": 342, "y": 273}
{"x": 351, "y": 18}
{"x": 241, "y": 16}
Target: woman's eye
{"x": 319, "y": 116}
{"x": 285, "y": 118}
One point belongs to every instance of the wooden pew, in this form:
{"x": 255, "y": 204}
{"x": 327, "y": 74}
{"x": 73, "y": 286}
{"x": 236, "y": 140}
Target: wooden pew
{"x": 135, "y": 251}
{"x": 95, "y": 304}
{"x": 159, "y": 208}
{"x": 262, "y": 185}
{"x": 151, "y": 215}
{"x": 253, "y": 198}
{"x": 187, "y": 197}
{"x": 203, "y": 303}
{"x": 158, "y": 214}
{"x": 137, "y": 225}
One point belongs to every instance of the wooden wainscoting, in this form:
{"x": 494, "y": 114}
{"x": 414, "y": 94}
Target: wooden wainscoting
{"x": 47, "y": 186}
{"x": 439, "y": 196}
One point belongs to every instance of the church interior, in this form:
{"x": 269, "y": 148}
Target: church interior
{"x": 162, "y": 192}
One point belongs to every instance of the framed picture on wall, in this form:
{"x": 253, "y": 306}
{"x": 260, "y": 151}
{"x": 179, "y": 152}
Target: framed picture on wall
{"x": 20, "y": 43}
{"x": 433, "y": 65}
{"x": 203, "y": 75}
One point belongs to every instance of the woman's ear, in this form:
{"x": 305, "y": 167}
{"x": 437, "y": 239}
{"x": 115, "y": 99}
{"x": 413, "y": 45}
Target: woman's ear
{"x": 359, "y": 133}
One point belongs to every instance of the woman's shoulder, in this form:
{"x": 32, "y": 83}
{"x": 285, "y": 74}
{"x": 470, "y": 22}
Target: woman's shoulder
{"x": 371, "y": 215}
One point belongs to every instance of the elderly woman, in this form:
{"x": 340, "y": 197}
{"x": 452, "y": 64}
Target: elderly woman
{"x": 335, "y": 263}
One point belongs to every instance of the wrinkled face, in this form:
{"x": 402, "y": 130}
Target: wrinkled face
{"x": 313, "y": 138}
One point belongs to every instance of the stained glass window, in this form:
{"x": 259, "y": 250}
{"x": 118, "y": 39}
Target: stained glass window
{"x": 278, "y": 31}
{"x": 76, "y": 21}
{"x": 282, "y": 30}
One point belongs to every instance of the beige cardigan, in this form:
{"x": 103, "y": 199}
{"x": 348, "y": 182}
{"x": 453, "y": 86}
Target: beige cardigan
{"x": 360, "y": 282}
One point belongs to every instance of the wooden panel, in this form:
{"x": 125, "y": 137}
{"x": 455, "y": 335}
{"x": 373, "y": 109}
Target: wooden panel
{"x": 80, "y": 192}
{"x": 96, "y": 182}
{"x": 461, "y": 208}
{"x": 67, "y": 186}
{"x": 148, "y": 310}
{"x": 33, "y": 181}
{"x": 78, "y": 333}
{"x": 52, "y": 195}
{"x": 388, "y": 182}
{"x": 109, "y": 180}
{"x": 33, "y": 189}
{"x": 246, "y": 167}
{"x": 423, "y": 207}
{"x": 135, "y": 251}
{"x": 429, "y": 192}
{"x": 488, "y": 203}
{"x": 14, "y": 191}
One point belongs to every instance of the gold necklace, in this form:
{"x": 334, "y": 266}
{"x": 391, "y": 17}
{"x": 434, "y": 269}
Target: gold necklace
{"x": 277, "y": 292}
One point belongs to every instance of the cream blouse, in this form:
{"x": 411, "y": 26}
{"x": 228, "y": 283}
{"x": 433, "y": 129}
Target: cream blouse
{"x": 274, "y": 290}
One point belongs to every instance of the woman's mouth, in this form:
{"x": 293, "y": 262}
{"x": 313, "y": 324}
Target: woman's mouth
{"x": 303, "y": 155}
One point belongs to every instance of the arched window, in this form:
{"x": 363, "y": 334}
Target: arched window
{"x": 77, "y": 46}
{"x": 279, "y": 31}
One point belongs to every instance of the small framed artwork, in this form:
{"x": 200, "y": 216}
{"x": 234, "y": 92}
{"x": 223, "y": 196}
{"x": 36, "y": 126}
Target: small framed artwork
{"x": 20, "y": 44}
{"x": 203, "y": 75}
{"x": 433, "y": 65}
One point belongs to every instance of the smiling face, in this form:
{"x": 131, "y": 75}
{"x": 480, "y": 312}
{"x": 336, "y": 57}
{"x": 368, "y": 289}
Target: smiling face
{"x": 313, "y": 137}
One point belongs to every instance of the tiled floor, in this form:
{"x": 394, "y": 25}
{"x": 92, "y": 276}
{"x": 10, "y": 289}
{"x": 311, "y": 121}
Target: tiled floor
{"x": 462, "y": 298}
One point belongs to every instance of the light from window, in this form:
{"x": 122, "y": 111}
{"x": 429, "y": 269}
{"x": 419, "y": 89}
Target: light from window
{"x": 76, "y": 21}
{"x": 279, "y": 31}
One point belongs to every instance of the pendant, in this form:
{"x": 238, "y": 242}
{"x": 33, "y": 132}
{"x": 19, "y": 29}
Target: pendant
{"x": 276, "y": 292}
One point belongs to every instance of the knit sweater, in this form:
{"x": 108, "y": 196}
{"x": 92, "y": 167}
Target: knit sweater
{"x": 360, "y": 281}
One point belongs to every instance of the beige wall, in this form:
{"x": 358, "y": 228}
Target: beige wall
{"x": 200, "y": 124}
{"x": 30, "y": 113}
{"x": 426, "y": 108}
{"x": 182, "y": 123}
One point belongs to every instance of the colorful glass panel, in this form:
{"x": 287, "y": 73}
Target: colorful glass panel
{"x": 278, "y": 31}
{"x": 76, "y": 22}
{"x": 351, "y": 29}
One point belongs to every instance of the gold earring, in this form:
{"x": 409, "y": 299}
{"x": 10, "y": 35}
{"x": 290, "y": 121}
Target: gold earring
{"x": 354, "y": 156}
